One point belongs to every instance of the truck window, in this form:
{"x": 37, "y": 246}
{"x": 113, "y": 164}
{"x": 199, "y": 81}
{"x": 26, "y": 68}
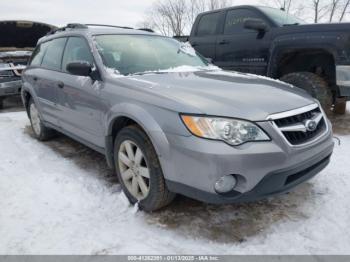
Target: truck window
{"x": 208, "y": 24}
{"x": 53, "y": 56}
{"x": 235, "y": 19}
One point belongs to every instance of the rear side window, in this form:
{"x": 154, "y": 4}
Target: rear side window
{"x": 38, "y": 54}
{"x": 234, "y": 22}
{"x": 77, "y": 49}
{"x": 53, "y": 55}
{"x": 208, "y": 24}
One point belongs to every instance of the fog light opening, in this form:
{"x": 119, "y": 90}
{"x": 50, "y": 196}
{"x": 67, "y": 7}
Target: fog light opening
{"x": 225, "y": 184}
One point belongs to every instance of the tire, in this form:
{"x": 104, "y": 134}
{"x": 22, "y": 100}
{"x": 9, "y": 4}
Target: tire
{"x": 314, "y": 85}
{"x": 131, "y": 142}
{"x": 40, "y": 131}
{"x": 1, "y": 103}
{"x": 340, "y": 106}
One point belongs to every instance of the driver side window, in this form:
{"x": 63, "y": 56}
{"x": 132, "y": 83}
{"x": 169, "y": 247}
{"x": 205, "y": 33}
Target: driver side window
{"x": 77, "y": 49}
{"x": 234, "y": 22}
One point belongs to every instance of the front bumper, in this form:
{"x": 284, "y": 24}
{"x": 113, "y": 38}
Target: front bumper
{"x": 10, "y": 88}
{"x": 264, "y": 169}
{"x": 343, "y": 79}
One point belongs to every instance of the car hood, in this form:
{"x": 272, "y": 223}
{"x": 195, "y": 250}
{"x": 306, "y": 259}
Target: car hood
{"x": 21, "y": 34}
{"x": 222, "y": 93}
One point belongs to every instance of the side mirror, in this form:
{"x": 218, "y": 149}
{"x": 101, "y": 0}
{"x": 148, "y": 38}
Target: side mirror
{"x": 79, "y": 68}
{"x": 256, "y": 24}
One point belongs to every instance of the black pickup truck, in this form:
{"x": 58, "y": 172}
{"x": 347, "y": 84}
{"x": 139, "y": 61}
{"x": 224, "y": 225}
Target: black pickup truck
{"x": 269, "y": 42}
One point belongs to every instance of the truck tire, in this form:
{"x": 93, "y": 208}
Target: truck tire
{"x": 1, "y": 103}
{"x": 340, "y": 106}
{"x": 314, "y": 85}
{"x": 139, "y": 171}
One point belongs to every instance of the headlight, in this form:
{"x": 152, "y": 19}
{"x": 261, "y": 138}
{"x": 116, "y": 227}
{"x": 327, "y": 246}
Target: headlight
{"x": 232, "y": 131}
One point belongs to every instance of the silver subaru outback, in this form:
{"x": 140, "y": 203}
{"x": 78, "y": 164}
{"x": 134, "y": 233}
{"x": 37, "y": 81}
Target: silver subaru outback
{"x": 171, "y": 123}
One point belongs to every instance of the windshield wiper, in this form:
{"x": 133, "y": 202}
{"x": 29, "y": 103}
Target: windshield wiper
{"x": 291, "y": 24}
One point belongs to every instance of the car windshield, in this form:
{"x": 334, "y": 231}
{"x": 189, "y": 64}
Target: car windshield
{"x": 281, "y": 17}
{"x": 140, "y": 54}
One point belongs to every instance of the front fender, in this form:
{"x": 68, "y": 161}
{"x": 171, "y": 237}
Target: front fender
{"x": 143, "y": 119}
{"x": 300, "y": 42}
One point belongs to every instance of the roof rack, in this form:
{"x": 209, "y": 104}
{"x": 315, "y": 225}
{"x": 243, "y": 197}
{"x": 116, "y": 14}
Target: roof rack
{"x": 114, "y": 26}
{"x": 68, "y": 26}
{"x": 146, "y": 29}
{"x": 86, "y": 26}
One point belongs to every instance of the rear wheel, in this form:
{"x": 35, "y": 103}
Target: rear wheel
{"x": 314, "y": 85}
{"x": 40, "y": 131}
{"x": 139, "y": 171}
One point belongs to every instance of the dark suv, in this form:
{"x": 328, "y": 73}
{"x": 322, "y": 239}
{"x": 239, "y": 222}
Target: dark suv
{"x": 169, "y": 122}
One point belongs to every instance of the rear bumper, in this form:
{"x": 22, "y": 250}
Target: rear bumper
{"x": 10, "y": 88}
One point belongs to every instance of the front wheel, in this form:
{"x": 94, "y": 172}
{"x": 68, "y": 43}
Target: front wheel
{"x": 139, "y": 171}
{"x": 314, "y": 85}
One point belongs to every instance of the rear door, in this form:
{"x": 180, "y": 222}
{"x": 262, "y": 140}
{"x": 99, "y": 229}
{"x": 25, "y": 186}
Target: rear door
{"x": 204, "y": 36}
{"x": 46, "y": 76}
{"x": 242, "y": 49}
{"x": 79, "y": 96}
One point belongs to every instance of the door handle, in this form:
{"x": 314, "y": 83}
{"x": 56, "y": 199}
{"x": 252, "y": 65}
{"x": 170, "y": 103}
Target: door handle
{"x": 224, "y": 42}
{"x": 35, "y": 78}
{"x": 60, "y": 84}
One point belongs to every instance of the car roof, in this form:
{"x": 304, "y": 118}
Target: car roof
{"x": 94, "y": 30}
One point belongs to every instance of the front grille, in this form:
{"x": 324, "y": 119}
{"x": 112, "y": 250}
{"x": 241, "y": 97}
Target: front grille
{"x": 301, "y": 137}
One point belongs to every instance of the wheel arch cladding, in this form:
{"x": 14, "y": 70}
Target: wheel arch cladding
{"x": 286, "y": 46}
{"x": 126, "y": 114}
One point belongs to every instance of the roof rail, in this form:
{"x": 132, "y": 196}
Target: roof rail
{"x": 114, "y": 26}
{"x": 146, "y": 29}
{"x": 85, "y": 26}
{"x": 68, "y": 26}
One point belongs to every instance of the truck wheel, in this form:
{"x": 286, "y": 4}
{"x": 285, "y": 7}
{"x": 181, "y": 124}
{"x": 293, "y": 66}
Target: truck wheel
{"x": 1, "y": 103}
{"x": 139, "y": 171}
{"x": 340, "y": 106}
{"x": 314, "y": 85}
{"x": 40, "y": 131}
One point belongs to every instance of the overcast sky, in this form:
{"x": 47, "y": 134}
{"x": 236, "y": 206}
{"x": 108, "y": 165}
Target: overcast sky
{"x": 61, "y": 12}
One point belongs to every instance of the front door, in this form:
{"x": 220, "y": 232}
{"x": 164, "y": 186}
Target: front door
{"x": 80, "y": 101}
{"x": 242, "y": 49}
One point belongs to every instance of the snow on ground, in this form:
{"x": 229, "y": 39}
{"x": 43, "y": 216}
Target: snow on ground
{"x": 58, "y": 198}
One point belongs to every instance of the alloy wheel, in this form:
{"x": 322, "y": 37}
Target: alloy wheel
{"x": 134, "y": 170}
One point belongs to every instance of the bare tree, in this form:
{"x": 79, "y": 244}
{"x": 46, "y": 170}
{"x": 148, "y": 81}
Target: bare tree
{"x": 217, "y": 4}
{"x": 333, "y": 8}
{"x": 320, "y": 9}
{"x": 175, "y": 17}
{"x": 344, "y": 10}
